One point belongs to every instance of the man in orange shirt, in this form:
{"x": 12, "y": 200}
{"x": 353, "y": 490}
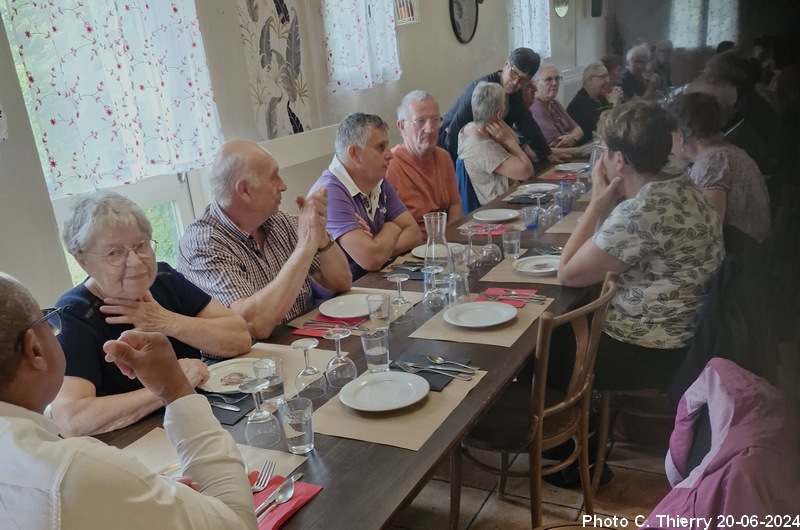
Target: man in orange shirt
{"x": 421, "y": 172}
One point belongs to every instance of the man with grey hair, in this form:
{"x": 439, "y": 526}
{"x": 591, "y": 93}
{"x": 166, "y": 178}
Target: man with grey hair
{"x": 251, "y": 256}
{"x": 366, "y": 215}
{"x": 589, "y": 101}
{"x": 634, "y": 84}
{"x": 50, "y": 482}
{"x": 421, "y": 172}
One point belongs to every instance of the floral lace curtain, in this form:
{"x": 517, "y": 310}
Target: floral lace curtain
{"x": 116, "y": 91}
{"x": 271, "y": 38}
{"x": 360, "y": 43}
{"x": 530, "y": 26}
{"x": 698, "y": 23}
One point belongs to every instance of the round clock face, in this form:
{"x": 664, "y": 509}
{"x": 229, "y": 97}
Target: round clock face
{"x": 464, "y": 16}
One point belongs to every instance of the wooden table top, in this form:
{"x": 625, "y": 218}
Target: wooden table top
{"x": 366, "y": 484}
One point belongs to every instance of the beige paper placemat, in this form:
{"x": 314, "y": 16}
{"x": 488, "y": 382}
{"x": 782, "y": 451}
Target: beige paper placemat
{"x": 516, "y": 223}
{"x": 155, "y": 451}
{"x": 412, "y": 297}
{"x": 502, "y": 335}
{"x": 408, "y": 428}
{"x": 504, "y": 272}
{"x": 567, "y": 225}
{"x": 587, "y": 197}
{"x": 293, "y": 360}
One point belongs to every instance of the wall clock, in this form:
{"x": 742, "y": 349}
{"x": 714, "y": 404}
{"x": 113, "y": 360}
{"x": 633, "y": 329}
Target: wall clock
{"x": 464, "y": 17}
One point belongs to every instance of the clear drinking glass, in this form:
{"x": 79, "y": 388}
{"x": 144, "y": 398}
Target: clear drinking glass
{"x": 400, "y": 305}
{"x": 340, "y": 369}
{"x": 491, "y": 253}
{"x": 310, "y": 383}
{"x": 435, "y": 298}
{"x": 262, "y": 429}
{"x": 473, "y": 256}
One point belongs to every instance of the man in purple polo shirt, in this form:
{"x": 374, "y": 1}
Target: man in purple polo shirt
{"x": 365, "y": 215}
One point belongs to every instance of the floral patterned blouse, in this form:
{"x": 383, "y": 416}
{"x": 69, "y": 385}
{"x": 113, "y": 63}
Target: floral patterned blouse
{"x": 672, "y": 240}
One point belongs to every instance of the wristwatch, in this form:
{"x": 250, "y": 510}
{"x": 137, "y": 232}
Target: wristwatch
{"x": 329, "y": 244}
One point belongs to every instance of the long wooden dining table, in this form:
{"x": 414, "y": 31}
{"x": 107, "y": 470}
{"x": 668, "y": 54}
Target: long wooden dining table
{"x": 366, "y": 484}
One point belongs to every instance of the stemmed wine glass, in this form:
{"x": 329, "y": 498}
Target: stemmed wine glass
{"x": 309, "y": 383}
{"x": 473, "y": 256}
{"x": 262, "y": 429}
{"x": 400, "y": 305}
{"x": 490, "y": 253}
{"x": 340, "y": 369}
{"x": 435, "y": 299}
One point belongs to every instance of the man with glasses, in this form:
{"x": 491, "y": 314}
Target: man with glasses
{"x": 518, "y": 70}
{"x": 50, "y": 482}
{"x": 634, "y": 85}
{"x": 421, "y": 172}
{"x": 589, "y": 102}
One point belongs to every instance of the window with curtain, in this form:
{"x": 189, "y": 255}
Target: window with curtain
{"x": 116, "y": 91}
{"x": 360, "y": 43}
{"x": 530, "y": 25}
{"x": 699, "y": 23}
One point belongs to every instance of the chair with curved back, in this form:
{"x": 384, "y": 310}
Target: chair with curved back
{"x": 530, "y": 418}
{"x": 469, "y": 199}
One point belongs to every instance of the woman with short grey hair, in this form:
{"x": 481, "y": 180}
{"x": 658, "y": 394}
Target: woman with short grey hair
{"x": 489, "y": 147}
{"x": 111, "y": 239}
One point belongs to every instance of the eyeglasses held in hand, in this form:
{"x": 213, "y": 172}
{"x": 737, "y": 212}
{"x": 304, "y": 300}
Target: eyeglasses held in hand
{"x": 116, "y": 257}
{"x": 51, "y": 316}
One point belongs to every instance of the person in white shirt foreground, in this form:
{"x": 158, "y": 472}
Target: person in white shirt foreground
{"x": 50, "y": 482}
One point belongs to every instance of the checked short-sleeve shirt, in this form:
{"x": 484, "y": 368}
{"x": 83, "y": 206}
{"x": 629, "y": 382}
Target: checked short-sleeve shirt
{"x": 224, "y": 261}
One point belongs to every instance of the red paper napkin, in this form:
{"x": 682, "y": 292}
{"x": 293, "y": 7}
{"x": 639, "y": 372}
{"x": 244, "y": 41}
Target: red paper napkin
{"x": 560, "y": 176}
{"x": 303, "y": 492}
{"x": 315, "y": 332}
{"x": 499, "y": 292}
{"x": 483, "y": 229}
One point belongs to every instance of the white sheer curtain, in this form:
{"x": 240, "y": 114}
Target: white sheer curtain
{"x": 723, "y": 21}
{"x": 697, "y": 23}
{"x": 116, "y": 90}
{"x": 360, "y": 43}
{"x": 530, "y": 26}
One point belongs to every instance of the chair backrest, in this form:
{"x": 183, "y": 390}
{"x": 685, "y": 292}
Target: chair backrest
{"x": 587, "y": 324}
{"x": 469, "y": 200}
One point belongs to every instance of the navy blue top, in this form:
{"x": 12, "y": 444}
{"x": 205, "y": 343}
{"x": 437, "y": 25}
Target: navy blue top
{"x": 85, "y": 329}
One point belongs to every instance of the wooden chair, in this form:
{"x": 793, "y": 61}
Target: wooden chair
{"x": 532, "y": 418}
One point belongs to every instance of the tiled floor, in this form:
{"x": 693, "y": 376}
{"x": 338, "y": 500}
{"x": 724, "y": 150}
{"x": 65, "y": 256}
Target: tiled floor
{"x": 639, "y": 483}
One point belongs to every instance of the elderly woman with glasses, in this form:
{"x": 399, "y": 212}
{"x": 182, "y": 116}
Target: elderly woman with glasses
{"x": 659, "y": 233}
{"x": 489, "y": 147}
{"x": 111, "y": 239}
{"x": 562, "y": 133}
{"x": 517, "y": 71}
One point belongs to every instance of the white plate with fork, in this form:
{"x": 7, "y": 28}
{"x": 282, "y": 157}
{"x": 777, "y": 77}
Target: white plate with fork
{"x": 347, "y": 306}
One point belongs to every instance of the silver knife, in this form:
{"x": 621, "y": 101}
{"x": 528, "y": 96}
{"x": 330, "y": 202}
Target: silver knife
{"x": 272, "y": 496}
{"x": 225, "y": 406}
{"x": 442, "y": 368}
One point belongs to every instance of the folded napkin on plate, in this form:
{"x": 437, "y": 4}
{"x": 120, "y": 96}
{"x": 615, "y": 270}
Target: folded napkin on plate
{"x": 527, "y": 199}
{"x": 316, "y": 331}
{"x": 484, "y": 228}
{"x": 559, "y": 176}
{"x": 437, "y": 381}
{"x": 499, "y": 292}
{"x": 303, "y": 492}
{"x": 229, "y": 417}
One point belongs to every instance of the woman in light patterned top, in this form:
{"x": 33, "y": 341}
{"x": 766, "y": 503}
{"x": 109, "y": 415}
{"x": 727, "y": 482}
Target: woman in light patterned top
{"x": 664, "y": 240}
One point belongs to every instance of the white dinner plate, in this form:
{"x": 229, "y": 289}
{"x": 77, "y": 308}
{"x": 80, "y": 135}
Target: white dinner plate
{"x": 419, "y": 251}
{"x": 384, "y": 391}
{"x": 347, "y": 306}
{"x": 537, "y": 188}
{"x": 538, "y": 265}
{"x": 226, "y": 376}
{"x": 572, "y": 166}
{"x": 499, "y": 215}
{"x": 480, "y": 314}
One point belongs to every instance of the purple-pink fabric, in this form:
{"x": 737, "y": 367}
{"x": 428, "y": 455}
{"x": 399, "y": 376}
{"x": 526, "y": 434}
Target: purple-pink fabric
{"x": 749, "y": 470}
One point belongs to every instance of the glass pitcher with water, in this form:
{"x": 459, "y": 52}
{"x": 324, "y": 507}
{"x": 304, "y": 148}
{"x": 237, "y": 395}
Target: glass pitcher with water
{"x": 438, "y": 263}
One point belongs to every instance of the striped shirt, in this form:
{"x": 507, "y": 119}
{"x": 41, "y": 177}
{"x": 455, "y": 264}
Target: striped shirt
{"x": 224, "y": 261}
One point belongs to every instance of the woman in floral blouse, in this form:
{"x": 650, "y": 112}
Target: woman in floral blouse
{"x": 664, "y": 240}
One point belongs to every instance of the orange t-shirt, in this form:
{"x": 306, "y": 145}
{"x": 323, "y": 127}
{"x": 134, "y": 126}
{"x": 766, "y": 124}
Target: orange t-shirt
{"x": 424, "y": 187}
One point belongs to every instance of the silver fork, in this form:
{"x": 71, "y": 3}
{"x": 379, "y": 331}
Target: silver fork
{"x": 228, "y": 399}
{"x": 499, "y": 298}
{"x": 412, "y": 370}
{"x": 264, "y": 476}
{"x": 328, "y": 324}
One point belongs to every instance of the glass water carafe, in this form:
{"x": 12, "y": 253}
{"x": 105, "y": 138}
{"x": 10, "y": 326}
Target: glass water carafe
{"x": 438, "y": 263}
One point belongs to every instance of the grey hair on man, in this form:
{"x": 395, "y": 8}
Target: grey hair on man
{"x": 540, "y": 74}
{"x": 414, "y": 95}
{"x": 101, "y": 210}
{"x": 592, "y": 69}
{"x": 16, "y": 310}
{"x": 231, "y": 165}
{"x": 354, "y": 130}
{"x": 637, "y": 52}
{"x": 487, "y": 100}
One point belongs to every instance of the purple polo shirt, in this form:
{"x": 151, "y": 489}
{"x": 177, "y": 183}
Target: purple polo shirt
{"x": 343, "y": 208}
